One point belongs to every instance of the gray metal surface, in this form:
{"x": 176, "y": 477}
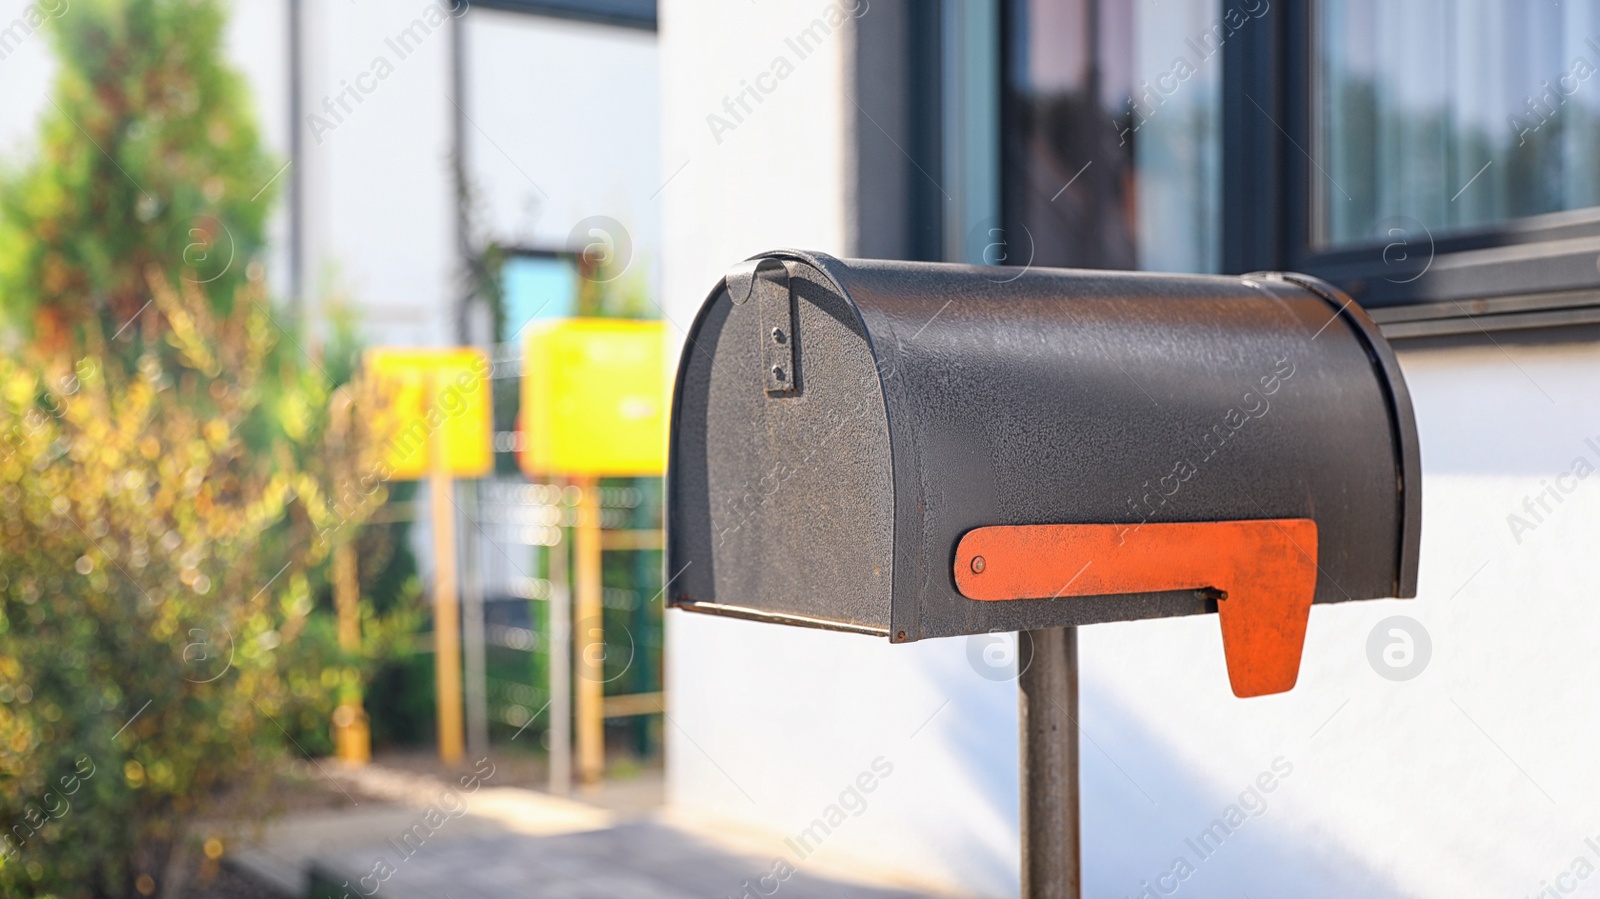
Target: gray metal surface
{"x": 933, "y": 399}
{"x": 782, "y": 504}
{"x": 1047, "y": 706}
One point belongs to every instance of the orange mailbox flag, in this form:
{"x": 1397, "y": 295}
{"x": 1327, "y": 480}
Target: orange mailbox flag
{"x": 433, "y": 392}
{"x": 594, "y": 398}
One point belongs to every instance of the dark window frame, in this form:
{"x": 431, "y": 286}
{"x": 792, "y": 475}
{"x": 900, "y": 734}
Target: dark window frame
{"x": 1536, "y": 271}
{"x": 640, "y": 14}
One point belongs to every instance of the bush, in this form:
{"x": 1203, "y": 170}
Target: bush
{"x": 161, "y": 535}
{"x": 172, "y": 479}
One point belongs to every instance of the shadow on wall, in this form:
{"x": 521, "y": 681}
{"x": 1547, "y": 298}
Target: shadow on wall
{"x": 980, "y": 735}
{"x": 948, "y": 814}
{"x": 1151, "y": 830}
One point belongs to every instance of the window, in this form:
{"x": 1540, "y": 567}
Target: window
{"x": 1437, "y": 159}
{"x": 536, "y": 285}
{"x": 1458, "y": 116}
{"x": 1113, "y": 121}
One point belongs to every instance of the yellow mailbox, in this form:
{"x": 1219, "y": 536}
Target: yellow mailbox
{"x": 428, "y": 393}
{"x": 594, "y": 398}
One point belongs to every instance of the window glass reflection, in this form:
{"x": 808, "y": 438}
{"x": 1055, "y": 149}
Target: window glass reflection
{"x": 1459, "y": 114}
{"x": 1113, "y": 129}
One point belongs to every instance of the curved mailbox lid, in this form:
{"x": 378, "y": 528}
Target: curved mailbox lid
{"x": 1044, "y": 397}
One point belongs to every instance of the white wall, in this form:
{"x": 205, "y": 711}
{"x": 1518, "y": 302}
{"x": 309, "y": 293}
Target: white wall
{"x": 1475, "y": 778}
{"x": 778, "y": 177}
{"x": 565, "y": 125}
{"x": 768, "y": 725}
{"x": 380, "y": 221}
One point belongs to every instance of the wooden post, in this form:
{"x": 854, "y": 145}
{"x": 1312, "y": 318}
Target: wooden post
{"x": 472, "y": 627}
{"x": 352, "y": 738}
{"x": 560, "y": 643}
{"x": 446, "y": 614}
{"x": 589, "y": 635}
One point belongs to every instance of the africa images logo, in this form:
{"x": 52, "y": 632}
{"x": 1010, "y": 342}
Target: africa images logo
{"x": 1398, "y": 648}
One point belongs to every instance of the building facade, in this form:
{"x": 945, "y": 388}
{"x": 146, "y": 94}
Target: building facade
{"x": 1437, "y": 161}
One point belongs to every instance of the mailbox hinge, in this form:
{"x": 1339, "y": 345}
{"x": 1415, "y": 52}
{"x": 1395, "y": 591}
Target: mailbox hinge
{"x": 767, "y": 282}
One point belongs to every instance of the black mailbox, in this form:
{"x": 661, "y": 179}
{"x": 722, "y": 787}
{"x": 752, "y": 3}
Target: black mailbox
{"x": 917, "y": 450}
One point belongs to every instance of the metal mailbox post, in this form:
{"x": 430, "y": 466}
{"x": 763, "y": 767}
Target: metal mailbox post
{"x": 914, "y": 450}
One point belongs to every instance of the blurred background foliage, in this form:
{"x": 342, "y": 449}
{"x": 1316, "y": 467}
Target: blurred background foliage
{"x": 173, "y": 475}
{"x": 149, "y": 156}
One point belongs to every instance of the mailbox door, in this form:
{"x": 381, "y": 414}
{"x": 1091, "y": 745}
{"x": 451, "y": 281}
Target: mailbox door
{"x": 780, "y": 492}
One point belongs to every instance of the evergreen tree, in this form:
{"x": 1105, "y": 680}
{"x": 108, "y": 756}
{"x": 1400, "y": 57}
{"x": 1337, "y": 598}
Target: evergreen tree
{"x": 150, "y": 162}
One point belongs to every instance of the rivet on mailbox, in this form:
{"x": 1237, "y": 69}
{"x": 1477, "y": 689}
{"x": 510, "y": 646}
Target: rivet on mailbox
{"x": 931, "y": 451}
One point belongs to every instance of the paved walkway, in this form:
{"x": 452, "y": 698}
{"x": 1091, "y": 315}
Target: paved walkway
{"x": 404, "y": 836}
{"x": 637, "y": 860}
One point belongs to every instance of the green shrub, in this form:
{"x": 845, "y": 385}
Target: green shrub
{"x": 156, "y": 570}
{"x": 172, "y": 480}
